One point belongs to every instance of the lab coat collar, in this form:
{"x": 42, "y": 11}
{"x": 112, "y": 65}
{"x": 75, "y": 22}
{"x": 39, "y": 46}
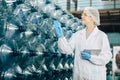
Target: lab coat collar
{"x": 93, "y": 33}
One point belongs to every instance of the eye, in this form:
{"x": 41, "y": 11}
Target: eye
{"x": 84, "y": 14}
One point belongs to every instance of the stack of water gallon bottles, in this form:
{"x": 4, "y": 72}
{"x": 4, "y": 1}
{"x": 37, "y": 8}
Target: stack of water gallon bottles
{"x": 28, "y": 43}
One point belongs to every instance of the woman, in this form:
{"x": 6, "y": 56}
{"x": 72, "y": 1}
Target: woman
{"x": 90, "y": 45}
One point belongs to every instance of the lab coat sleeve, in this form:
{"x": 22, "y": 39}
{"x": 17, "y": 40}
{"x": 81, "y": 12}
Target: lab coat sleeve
{"x": 66, "y": 46}
{"x": 105, "y": 54}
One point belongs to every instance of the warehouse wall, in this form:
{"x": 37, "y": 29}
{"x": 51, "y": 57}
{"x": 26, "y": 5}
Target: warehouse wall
{"x": 114, "y": 38}
{"x": 98, "y": 4}
{"x": 85, "y": 3}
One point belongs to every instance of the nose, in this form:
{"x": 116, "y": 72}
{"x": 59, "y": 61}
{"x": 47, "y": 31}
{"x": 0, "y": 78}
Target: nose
{"x": 82, "y": 16}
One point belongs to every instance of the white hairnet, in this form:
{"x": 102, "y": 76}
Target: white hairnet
{"x": 94, "y": 13}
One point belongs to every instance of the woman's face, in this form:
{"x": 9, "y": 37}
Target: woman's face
{"x": 86, "y": 19}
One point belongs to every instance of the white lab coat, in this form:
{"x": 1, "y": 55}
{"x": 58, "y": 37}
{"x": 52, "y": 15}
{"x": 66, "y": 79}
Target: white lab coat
{"x": 93, "y": 69}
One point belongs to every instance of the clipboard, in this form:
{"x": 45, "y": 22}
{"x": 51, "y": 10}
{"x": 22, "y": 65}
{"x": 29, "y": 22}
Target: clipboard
{"x": 94, "y": 51}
